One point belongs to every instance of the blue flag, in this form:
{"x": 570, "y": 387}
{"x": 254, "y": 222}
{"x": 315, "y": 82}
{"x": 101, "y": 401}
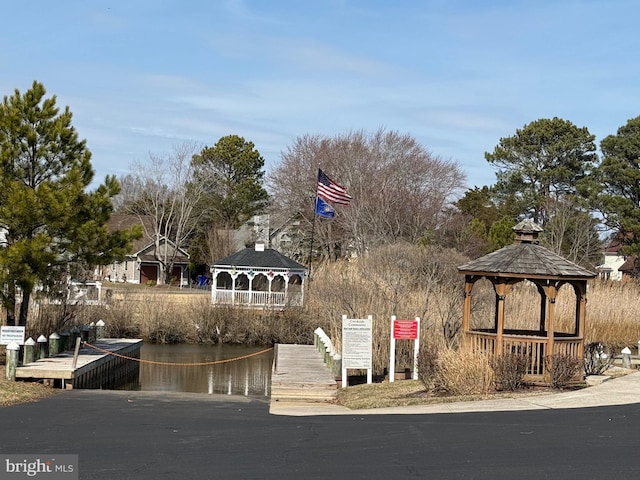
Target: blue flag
{"x": 324, "y": 209}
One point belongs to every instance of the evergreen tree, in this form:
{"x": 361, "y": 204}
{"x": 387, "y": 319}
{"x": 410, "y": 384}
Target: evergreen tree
{"x": 233, "y": 171}
{"x": 52, "y": 226}
{"x": 543, "y": 162}
{"x": 616, "y": 185}
{"x": 542, "y": 172}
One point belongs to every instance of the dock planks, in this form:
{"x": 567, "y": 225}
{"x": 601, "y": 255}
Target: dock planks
{"x": 90, "y": 364}
{"x": 299, "y": 374}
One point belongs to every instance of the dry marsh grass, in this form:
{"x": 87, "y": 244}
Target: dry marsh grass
{"x": 160, "y": 318}
{"x": 464, "y": 372}
{"x": 12, "y": 393}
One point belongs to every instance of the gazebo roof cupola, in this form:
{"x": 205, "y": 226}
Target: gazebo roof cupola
{"x": 527, "y": 231}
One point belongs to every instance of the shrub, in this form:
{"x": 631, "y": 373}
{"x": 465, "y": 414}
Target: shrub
{"x": 428, "y": 365}
{"x": 509, "y": 370}
{"x": 562, "y": 368}
{"x": 597, "y": 358}
{"x": 464, "y": 372}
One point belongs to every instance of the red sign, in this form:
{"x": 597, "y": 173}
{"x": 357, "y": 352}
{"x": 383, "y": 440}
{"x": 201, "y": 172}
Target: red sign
{"x": 405, "y": 329}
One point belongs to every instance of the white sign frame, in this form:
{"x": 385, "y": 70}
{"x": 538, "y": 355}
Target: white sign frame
{"x": 10, "y": 334}
{"x": 357, "y": 346}
{"x": 392, "y": 351}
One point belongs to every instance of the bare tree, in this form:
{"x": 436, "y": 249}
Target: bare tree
{"x": 400, "y": 190}
{"x": 164, "y": 193}
{"x": 572, "y": 232}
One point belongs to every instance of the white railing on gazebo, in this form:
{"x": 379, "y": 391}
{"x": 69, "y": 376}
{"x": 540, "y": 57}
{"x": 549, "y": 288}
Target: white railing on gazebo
{"x": 257, "y": 298}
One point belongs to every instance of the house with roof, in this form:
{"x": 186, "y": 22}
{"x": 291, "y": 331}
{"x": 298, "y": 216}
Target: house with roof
{"x": 616, "y": 265}
{"x": 281, "y": 233}
{"x": 143, "y": 264}
{"x": 258, "y": 277}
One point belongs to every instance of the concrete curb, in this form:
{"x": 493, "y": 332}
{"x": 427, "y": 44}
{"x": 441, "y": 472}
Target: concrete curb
{"x": 622, "y": 390}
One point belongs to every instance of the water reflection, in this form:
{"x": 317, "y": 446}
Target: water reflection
{"x": 249, "y": 377}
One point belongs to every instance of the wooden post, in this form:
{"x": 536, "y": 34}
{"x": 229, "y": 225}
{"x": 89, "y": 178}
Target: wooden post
{"x": 29, "y": 351}
{"x": 582, "y": 313}
{"x": 551, "y": 293}
{"x": 498, "y": 348}
{"x": 84, "y": 333}
{"x": 43, "y": 348}
{"x": 54, "y": 344}
{"x": 75, "y": 353}
{"x": 466, "y": 310}
{"x": 92, "y": 333}
{"x": 65, "y": 341}
{"x": 626, "y": 357}
{"x": 12, "y": 360}
{"x": 75, "y": 333}
{"x": 100, "y": 329}
{"x": 336, "y": 365}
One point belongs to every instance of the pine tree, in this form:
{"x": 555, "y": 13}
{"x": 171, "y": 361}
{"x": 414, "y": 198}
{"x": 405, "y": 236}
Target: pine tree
{"x": 51, "y": 225}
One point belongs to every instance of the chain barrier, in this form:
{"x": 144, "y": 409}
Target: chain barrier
{"x": 175, "y": 364}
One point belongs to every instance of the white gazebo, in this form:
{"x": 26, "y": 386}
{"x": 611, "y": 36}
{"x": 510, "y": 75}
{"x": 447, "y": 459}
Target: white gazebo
{"x": 258, "y": 277}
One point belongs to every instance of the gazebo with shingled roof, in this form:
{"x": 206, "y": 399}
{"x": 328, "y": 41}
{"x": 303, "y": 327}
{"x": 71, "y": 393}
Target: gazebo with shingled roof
{"x": 526, "y": 260}
{"x": 258, "y": 277}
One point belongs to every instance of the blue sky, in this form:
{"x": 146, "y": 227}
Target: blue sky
{"x": 143, "y": 75}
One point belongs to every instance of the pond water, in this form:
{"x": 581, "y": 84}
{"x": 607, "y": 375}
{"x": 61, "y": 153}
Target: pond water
{"x": 248, "y": 376}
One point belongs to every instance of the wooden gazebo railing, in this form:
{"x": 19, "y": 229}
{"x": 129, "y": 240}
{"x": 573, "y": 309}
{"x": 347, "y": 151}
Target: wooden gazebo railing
{"x": 533, "y": 347}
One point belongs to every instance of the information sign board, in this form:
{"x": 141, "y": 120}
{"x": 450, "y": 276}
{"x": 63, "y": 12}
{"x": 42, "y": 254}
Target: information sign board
{"x": 357, "y": 346}
{"x": 357, "y": 336}
{"x": 10, "y": 334}
{"x": 405, "y": 329}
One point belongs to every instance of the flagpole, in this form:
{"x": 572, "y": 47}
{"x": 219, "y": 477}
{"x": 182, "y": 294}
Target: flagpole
{"x": 313, "y": 229}
{"x": 327, "y": 192}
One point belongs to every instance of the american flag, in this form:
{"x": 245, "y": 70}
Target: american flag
{"x": 330, "y": 191}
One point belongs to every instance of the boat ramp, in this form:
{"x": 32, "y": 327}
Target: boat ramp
{"x": 104, "y": 364}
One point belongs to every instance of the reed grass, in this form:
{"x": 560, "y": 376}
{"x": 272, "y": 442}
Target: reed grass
{"x": 464, "y": 372}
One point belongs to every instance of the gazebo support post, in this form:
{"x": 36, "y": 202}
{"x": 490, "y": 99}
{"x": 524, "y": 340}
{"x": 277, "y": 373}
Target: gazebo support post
{"x": 543, "y": 308}
{"x": 466, "y": 312}
{"x": 550, "y": 292}
{"x": 581, "y": 308}
{"x": 501, "y": 292}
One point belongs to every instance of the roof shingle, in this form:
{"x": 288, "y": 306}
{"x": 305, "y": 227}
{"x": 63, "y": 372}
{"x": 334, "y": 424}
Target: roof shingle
{"x": 269, "y": 258}
{"x": 526, "y": 259}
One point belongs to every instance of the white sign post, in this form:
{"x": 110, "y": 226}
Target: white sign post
{"x": 357, "y": 350}
{"x": 404, "y": 330}
{"x": 10, "y": 334}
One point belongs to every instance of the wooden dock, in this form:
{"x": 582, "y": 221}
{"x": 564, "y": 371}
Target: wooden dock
{"x": 300, "y": 375}
{"x": 93, "y": 369}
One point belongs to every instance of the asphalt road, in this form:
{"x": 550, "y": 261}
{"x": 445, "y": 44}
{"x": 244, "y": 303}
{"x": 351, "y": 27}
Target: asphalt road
{"x": 144, "y": 435}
